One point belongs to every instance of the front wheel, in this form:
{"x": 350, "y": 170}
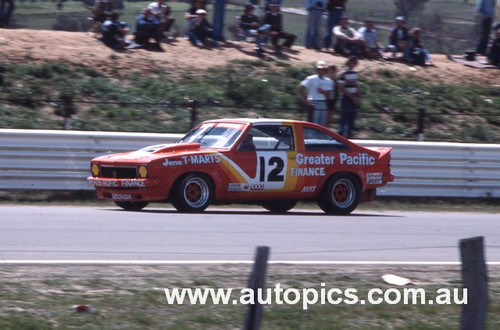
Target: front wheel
{"x": 132, "y": 206}
{"x": 193, "y": 193}
{"x": 341, "y": 194}
{"x": 279, "y": 206}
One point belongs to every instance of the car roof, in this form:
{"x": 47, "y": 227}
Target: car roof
{"x": 253, "y": 120}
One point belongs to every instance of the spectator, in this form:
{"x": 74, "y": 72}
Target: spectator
{"x": 415, "y": 53}
{"x": 100, "y": 13}
{"x": 315, "y": 9}
{"x": 398, "y": 38}
{"x": 147, "y": 28}
{"x": 275, "y": 21}
{"x": 114, "y": 31}
{"x": 202, "y": 31}
{"x": 494, "y": 54}
{"x": 251, "y": 27}
{"x": 485, "y": 8}
{"x": 319, "y": 90}
{"x": 335, "y": 12}
{"x": 268, "y": 3}
{"x": 331, "y": 103}
{"x": 348, "y": 83}
{"x": 191, "y": 14}
{"x": 373, "y": 46}
{"x": 6, "y": 10}
{"x": 161, "y": 11}
{"x": 349, "y": 41}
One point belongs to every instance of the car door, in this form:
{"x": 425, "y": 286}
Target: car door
{"x": 261, "y": 161}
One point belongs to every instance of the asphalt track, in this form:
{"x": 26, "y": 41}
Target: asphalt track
{"x": 161, "y": 235}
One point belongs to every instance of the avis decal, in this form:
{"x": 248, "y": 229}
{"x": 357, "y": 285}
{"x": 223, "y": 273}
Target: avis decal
{"x": 308, "y": 189}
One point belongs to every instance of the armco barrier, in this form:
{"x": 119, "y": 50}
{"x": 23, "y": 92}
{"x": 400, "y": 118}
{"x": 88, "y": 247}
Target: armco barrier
{"x": 59, "y": 160}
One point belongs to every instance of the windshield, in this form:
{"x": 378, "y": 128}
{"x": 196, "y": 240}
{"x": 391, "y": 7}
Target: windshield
{"x": 214, "y": 135}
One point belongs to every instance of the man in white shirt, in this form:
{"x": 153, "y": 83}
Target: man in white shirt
{"x": 319, "y": 89}
{"x": 348, "y": 40}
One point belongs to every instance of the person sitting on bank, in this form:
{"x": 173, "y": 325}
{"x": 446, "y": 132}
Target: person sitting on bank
{"x": 147, "y": 28}
{"x": 251, "y": 27}
{"x": 114, "y": 31}
{"x": 202, "y": 31}
{"x": 274, "y": 19}
{"x": 494, "y": 53}
{"x": 348, "y": 41}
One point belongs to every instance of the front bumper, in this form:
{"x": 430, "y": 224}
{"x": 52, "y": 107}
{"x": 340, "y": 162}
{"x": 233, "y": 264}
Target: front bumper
{"x": 129, "y": 189}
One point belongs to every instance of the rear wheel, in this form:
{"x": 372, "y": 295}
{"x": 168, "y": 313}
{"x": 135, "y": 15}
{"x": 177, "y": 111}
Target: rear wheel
{"x": 279, "y": 206}
{"x": 193, "y": 193}
{"x": 132, "y": 206}
{"x": 341, "y": 194}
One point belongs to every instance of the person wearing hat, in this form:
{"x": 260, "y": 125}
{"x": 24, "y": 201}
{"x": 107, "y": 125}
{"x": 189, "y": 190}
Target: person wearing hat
{"x": 191, "y": 16}
{"x": 275, "y": 21}
{"x": 319, "y": 89}
{"x": 202, "y": 31}
{"x": 399, "y": 37}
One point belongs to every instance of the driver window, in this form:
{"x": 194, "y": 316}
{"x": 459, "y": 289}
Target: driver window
{"x": 272, "y": 137}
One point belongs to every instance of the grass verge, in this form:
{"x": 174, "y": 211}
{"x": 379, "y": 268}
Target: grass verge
{"x": 133, "y": 297}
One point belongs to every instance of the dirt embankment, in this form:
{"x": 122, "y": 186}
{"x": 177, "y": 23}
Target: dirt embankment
{"x": 36, "y": 46}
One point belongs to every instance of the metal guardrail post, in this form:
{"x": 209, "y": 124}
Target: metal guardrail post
{"x": 257, "y": 281}
{"x": 475, "y": 280}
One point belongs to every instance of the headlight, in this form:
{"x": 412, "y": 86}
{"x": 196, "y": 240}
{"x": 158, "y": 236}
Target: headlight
{"x": 95, "y": 169}
{"x": 142, "y": 171}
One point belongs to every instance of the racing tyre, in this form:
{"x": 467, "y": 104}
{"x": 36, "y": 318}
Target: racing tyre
{"x": 193, "y": 193}
{"x": 132, "y": 206}
{"x": 340, "y": 195}
{"x": 279, "y": 206}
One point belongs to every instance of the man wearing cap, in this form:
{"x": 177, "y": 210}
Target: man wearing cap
{"x": 319, "y": 89}
{"x": 335, "y": 12}
{"x": 399, "y": 37}
{"x": 202, "y": 31}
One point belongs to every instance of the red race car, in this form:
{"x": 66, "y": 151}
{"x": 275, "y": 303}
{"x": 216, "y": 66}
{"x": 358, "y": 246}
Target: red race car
{"x": 269, "y": 162}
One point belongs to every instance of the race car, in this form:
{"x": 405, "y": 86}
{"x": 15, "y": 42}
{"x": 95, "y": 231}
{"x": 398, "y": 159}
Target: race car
{"x": 269, "y": 162}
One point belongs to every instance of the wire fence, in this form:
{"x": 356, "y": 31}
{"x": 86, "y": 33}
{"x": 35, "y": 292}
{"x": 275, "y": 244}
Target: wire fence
{"x": 195, "y": 111}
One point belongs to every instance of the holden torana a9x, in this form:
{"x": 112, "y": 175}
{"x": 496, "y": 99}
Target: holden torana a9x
{"x": 268, "y": 162}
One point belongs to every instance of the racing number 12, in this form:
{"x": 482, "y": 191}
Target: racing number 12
{"x": 274, "y": 175}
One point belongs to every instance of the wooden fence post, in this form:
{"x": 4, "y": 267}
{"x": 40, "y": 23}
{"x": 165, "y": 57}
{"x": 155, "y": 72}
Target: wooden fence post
{"x": 256, "y": 281}
{"x": 475, "y": 280}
